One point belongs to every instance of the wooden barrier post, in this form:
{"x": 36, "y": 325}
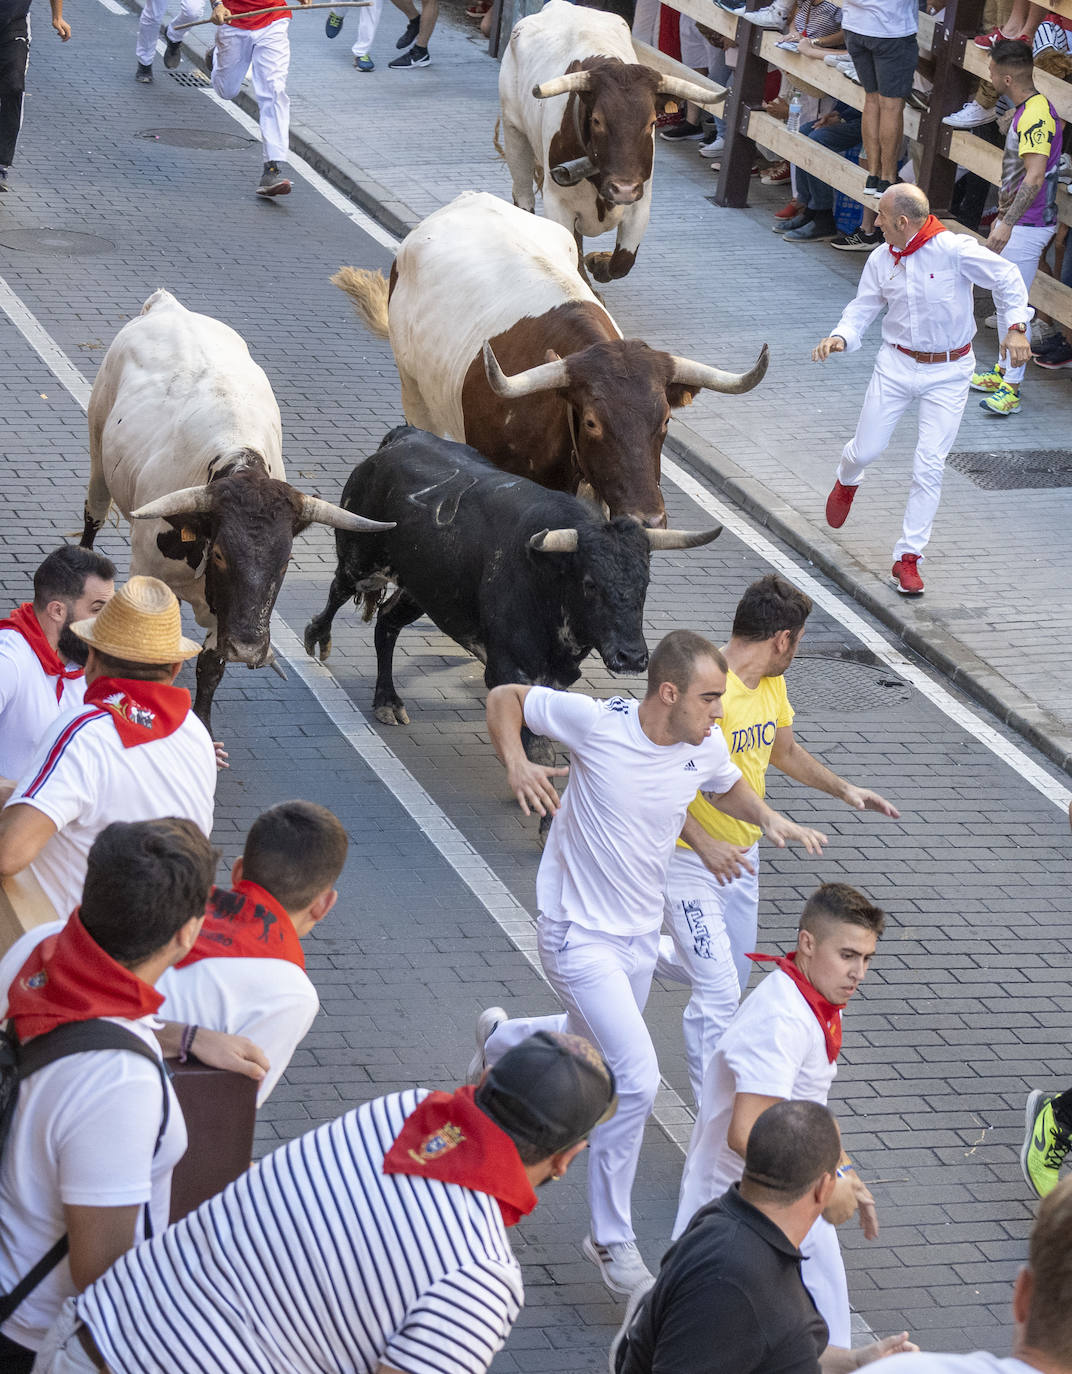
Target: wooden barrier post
{"x": 952, "y": 83}
{"x": 746, "y": 96}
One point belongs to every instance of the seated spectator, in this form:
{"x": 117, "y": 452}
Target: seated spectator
{"x": 814, "y": 222}
{"x": 1049, "y": 38}
{"x": 95, "y": 1135}
{"x": 246, "y": 973}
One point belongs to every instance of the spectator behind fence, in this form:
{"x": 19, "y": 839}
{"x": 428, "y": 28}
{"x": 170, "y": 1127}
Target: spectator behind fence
{"x": 837, "y": 131}
{"x": 96, "y": 1134}
{"x": 41, "y": 661}
{"x": 1049, "y": 34}
{"x": 736, "y": 1270}
{"x": 375, "y": 1243}
{"x": 246, "y": 973}
{"x": 881, "y": 38}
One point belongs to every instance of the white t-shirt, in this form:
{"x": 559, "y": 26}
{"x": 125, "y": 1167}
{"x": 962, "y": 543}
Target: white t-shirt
{"x": 272, "y": 1001}
{"x": 880, "y": 18}
{"x": 978, "y": 1362}
{"x": 605, "y": 861}
{"x": 774, "y": 1047}
{"x": 28, "y": 704}
{"x": 83, "y": 1134}
{"x": 82, "y": 778}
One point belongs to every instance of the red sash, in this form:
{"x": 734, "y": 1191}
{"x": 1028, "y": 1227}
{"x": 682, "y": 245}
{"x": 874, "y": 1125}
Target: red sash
{"x": 24, "y": 620}
{"x": 450, "y": 1139}
{"x": 246, "y": 923}
{"x": 828, "y": 1014}
{"x": 140, "y": 711}
{"x": 68, "y": 977}
{"x": 931, "y": 227}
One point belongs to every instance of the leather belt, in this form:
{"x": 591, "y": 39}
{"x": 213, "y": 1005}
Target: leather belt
{"x": 89, "y": 1345}
{"x": 950, "y": 357}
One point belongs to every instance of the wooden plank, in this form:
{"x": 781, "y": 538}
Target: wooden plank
{"x": 1047, "y": 293}
{"x": 813, "y": 157}
{"x": 23, "y": 905}
{"x": 1056, "y": 91}
{"x": 714, "y": 16}
{"x": 667, "y": 66}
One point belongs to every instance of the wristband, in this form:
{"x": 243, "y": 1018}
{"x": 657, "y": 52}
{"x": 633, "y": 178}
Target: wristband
{"x": 188, "y": 1032}
{"x": 843, "y": 1170}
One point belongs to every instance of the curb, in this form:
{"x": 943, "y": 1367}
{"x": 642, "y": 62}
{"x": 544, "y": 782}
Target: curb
{"x": 919, "y": 633}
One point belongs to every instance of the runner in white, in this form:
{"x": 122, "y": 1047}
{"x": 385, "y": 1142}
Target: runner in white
{"x": 635, "y": 768}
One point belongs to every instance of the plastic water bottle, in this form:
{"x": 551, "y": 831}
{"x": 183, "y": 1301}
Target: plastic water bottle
{"x": 795, "y": 107}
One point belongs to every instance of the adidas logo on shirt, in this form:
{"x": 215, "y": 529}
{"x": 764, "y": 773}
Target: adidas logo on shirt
{"x": 690, "y": 767}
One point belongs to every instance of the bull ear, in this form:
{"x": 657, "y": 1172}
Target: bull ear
{"x": 678, "y": 395}
{"x": 554, "y": 541}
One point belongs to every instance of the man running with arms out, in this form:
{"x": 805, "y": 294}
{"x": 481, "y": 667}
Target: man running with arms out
{"x": 712, "y": 886}
{"x": 635, "y": 769}
{"x": 783, "y": 1044}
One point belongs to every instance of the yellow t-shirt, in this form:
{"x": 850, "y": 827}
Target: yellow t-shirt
{"x": 749, "y": 721}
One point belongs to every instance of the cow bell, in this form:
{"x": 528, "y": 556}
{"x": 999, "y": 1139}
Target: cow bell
{"x": 570, "y": 173}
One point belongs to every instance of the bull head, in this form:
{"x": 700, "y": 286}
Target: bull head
{"x": 552, "y": 376}
{"x": 566, "y": 540}
{"x": 571, "y": 83}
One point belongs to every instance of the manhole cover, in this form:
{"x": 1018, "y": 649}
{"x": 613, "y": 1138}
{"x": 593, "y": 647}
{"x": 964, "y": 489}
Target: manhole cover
{"x": 1015, "y": 469}
{"x": 195, "y": 79}
{"x": 836, "y": 686}
{"x": 58, "y": 243}
{"x": 208, "y": 139}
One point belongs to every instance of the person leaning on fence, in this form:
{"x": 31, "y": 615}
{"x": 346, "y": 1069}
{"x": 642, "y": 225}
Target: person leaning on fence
{"x": 881, "y": 38}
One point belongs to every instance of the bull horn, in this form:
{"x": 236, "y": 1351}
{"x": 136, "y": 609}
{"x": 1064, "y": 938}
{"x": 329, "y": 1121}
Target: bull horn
{"x": 688, "y": 373}
{"x": 680, "y": 539}
{"x": 188, "y": 501}
{"x": 564, "y": 85}
{"x": 690, "y": 90}
{"x": 555, "y": 541}
{"x": 545, "y": 377}
{"x": 318, "y": 512}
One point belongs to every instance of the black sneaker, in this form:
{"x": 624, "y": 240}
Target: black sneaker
{"x": 144, "y": 74}
{"x": 857, "y": 242}
{"x": 3, "y": 180}
{"x": 869, "y": 185}
{"x": 1057, "y": 357}
{"x": 172, "y": 53}
{"x": 273, "y": 182}
{"x": 881, "y": 187}
{"x": 416, "y": 57}
{"x": 679, "y": 132}
{"x": 412, "y": 29}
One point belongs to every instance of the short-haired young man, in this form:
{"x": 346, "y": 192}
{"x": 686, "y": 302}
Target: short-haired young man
{"x": 136, "y": 751}
{"x": 374, "y": 1243}
{"x": 41, "y": 661}
{"x": 246, "y": 973}
{"x": 735, "y": 1273}
{"x": 85, "y": 1154}
{"x": 635, "y": 769}
{"x": 711, "y": 907}
{"x": 783, "y": 1043}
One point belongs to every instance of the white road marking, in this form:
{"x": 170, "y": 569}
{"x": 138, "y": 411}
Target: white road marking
{"x": 115, "y": 8}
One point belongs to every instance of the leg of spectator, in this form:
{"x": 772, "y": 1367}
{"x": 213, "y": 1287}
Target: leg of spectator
{"x": 891, "y": 136}
{"x": 889, "y": 394}
{"x": 941, "y": 407}
{"x": 429, "y": 15}
{"x": 408, "y": 8}
{"x": 646, "y": 22}
{"x": 870, "y": 133}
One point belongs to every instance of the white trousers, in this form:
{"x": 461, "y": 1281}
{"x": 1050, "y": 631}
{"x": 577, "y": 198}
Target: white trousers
{"x": 1025, "y": 247}
{"x": 149, "y": 25}
{"x": 942, "y": 392}
{"x": 62, "y": 1352}
{"x": 823, "y": 1272}
{"x": 603, "y": 982}
{"x": 367, "y": 23}
{"x": 712, "y": 929}
{"x": 267, "y": 52}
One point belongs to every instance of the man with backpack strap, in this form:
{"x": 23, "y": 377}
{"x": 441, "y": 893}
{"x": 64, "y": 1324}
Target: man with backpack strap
{"x": 88, "y": 1149}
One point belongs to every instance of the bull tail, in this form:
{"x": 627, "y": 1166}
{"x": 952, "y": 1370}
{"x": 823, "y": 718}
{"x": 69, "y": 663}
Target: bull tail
{"x": 371, "y": 601}
{"x": 159, "y": 297}
{"x": 368, "y": 291}
{"x": 496, "y": 140}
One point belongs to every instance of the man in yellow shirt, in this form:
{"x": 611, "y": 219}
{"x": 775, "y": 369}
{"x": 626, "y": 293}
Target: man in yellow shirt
{"x": 711, "y": 903}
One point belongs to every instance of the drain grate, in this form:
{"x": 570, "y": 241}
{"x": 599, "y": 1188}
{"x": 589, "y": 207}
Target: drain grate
{"x": 1015, "y": 469}
{"x": 57, "y": 243}
{"x": 196, "y": 79}
{"x": 837, "y": 686}
{"x": 207, "y": 139}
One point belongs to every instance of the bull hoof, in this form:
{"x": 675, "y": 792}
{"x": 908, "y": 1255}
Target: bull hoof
{"x": 314, "y": 641}
{"x": 392, "y": 715}
{"x": 598, "y": 265}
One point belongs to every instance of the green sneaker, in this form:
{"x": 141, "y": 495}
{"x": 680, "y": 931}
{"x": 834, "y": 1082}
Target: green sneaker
{"x": 1045, "y": 1144}
{"x": 1004, "y": 401}
{"x": 987, "y": 381}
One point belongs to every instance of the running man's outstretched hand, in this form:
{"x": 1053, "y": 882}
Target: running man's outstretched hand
{"x": 532, "y": 786}
{"x": 724, "y": 860}
{"x": 782, "y": 831}
{"x": 866, "y": 1205}
{"x": 863, "y": 799}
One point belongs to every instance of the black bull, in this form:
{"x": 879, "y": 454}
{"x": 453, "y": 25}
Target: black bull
{"x": 528, "y": 580}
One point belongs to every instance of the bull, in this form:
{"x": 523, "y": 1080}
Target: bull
{"x": 592, "y": 152}
{"x": 528, "y": 580}
{"x": 499, "y": 343}
{"x": 185, "y": 438}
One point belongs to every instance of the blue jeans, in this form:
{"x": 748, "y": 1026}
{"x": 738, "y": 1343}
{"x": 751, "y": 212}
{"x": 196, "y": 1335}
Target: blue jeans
{"x": 839, "y": 138}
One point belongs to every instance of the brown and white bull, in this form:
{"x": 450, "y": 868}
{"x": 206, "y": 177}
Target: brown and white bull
{"x": 500, "y": 344}
{"x": 578, "y": 114}
{"x": 185, "y": 438}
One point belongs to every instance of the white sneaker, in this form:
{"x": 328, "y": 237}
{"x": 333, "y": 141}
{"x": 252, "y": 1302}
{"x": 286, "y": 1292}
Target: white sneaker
{"x": 487, "y": 1023}
{"x": 846, "y": 67}
{"x": 619, "y": 1263}
{"x": 970, "y": 116}
{"x": 773, "y": 16}
{"x": 636, "y": 1297}
{"x": 712, "y": 149}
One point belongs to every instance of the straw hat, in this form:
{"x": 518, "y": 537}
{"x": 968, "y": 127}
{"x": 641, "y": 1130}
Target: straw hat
{"x": 141, "y": 623}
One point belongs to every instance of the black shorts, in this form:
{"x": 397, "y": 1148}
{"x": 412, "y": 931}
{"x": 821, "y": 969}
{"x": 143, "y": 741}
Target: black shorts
{"x": 14, "y": 51}
{"x": 884, "y": 65}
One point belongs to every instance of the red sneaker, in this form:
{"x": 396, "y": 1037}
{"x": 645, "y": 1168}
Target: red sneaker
{"x": 838, "y": 504}
{"x": 987, "y": 40}
{"x": 789, "y": 211}
{"x": 906, "y": 576}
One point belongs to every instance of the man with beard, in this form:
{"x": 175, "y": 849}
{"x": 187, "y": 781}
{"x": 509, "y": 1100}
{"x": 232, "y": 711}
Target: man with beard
{"x": 41, "y": 661}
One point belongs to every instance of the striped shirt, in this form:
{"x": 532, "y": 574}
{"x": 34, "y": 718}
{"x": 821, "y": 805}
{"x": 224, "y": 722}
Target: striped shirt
{"x": 317, "y": 1260}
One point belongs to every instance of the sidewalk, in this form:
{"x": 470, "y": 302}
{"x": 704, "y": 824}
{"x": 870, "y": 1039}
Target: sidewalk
{"x": 715, "y": 284}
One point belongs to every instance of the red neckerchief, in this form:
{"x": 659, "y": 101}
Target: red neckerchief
{"x": 140, "y": 711}
{"x": 931, "y": 227}
{"x": 68, "y": 977}
{"x": 450, "y": 1139}
{"x": 24, "y": 620}
{"x": 246, "y": 923}
{"x": 828, "y": 1014}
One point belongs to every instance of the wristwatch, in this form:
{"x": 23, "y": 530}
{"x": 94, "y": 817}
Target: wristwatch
{"x": 1020, "y": 328}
